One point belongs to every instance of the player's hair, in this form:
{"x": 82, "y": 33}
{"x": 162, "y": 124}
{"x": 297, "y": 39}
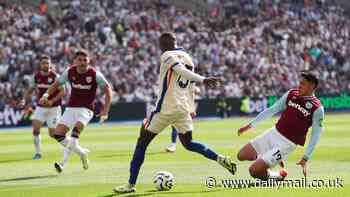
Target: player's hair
{"x": 310, "y": 77}
{"x": 167, "y": 35}
{"x": 81, "y": 52}
{"x": 44, "y": 57}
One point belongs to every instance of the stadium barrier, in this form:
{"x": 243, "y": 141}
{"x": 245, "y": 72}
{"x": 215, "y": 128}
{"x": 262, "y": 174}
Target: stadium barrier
{"x": 223, "y": 107}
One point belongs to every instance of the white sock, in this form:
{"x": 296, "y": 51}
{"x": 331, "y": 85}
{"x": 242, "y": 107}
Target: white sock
{"x": 273, "y": 174}
{"x": 66, "y": 153}
{"x": 65, "y": 142}
{"x": 220, "y": 158}
{"x": 37, "y": 143}
{"x": 74, "y": 144}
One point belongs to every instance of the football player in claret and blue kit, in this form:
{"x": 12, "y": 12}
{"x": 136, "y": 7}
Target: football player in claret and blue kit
{"x": 84, "y": 81}
{"x": 301, "y": 109}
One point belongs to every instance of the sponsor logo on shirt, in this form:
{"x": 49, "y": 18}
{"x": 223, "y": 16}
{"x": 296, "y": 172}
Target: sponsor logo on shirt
{"x": 298, "y": 107}
{"x": 82, "y": 87}
{"x": 42, "y": 85}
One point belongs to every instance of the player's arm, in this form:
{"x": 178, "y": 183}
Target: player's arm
{"x": 59, "y": 82}
{"x": 178, "y": 67}
{"x": 106, "y": 87}
{"x": 279, "y": 106}
{"x": 59, "y": 96}
{"x": 317, "y": 128}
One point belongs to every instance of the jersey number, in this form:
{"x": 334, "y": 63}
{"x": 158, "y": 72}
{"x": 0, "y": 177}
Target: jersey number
{"x": 184, "y": 83}
{"x": 277, "y": 155}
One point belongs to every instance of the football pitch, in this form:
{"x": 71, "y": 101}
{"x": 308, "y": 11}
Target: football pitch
{"x": 112, "y": 146}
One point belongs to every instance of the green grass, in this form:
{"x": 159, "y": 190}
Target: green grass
{"x": 111, "y": 150}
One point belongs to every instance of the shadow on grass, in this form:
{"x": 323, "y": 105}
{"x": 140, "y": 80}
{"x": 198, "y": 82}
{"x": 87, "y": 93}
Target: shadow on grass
{"x": 15, "y": 160}
{"x": 130, "y": 154}
{"x": 28, "y": 178}
{"x": 153, "y": 192}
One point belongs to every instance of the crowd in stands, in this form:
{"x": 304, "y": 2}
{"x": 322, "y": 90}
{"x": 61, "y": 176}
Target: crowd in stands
{"x": 259, "y": 51}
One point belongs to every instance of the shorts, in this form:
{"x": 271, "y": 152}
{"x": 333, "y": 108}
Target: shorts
{"x": 72, "y": 115}
{"x": 272, "y": 147}
{"x": 158, "y": 122}
{"x": 50, "y": 115}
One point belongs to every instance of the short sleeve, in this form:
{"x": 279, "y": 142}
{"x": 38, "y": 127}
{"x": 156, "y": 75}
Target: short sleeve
{"x": 62, "y": 79}
{"x": 170, "y": 61}
{"x": 101, "y": 80}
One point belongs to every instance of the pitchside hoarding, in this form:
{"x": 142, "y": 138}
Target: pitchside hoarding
{"x": 11, "y": 117}
{"x": 331, "y": 103}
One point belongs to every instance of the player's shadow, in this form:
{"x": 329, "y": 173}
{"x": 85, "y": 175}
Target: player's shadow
{"x": 130, "y": 154}
{"x": 28, "y": 178}
{"x": 153, "y": 192}
{"x": 14, "y": 160}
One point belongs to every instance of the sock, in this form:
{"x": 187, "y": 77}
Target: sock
{"x": 203, "y": 150}
{"x": 75, "y": 132}
{"x": 62, "y": 139}
{"x": 74, "y": 146}
{"x": 273, "y": 175}
{"x": 66, "y": 153}
{"x": 220, "y": 158}
{"x": 173, "y": 135}
{"x": 136, "y": 162}
{"x": 65, "y": 141}
{"x": 37, "y": 144}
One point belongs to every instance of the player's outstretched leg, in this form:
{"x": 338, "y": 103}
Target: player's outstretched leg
{"x": 37, "y": 139}
{"x": 139, "y": 156}
{"x": 74, "y": 146}
{"x": 189, "y": 144}
{"x": 172, "y": 147}
{"x": 260, "y": 169}
{"x": 60, "y": 136}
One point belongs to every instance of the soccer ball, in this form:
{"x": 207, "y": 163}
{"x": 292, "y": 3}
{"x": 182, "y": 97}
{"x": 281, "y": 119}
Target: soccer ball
{"x": 163, "y": 181}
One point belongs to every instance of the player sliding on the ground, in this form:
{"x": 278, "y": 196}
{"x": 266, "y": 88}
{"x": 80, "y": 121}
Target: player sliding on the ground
{"x": 51, "y": 111}
{"x": 300, "y": 110}
{"x": 84, "y": 80}
{"x": 173, "y": 108}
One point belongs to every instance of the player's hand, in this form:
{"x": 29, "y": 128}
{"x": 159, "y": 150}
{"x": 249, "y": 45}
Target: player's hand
{"x": 193, "y": 115}
{"x": 211, "y": 82}
{"x": 244, "y": 129}
{"x": 43, "y": 101}
{"x": 103, "y": 115}
{"x": 302, "y": 164}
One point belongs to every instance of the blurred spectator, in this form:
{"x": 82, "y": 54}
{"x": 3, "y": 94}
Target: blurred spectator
{"x": 260, "y": 52}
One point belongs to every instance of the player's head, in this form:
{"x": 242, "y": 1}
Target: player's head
{"x": 167, "y": 41}
{"x": 45, "y": 63}
{"x": 308, "y": 83}
{"x": 82, "y": 59}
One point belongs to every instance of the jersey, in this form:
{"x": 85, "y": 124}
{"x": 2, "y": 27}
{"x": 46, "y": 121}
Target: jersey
{"x": 175, "y": 95}
{"x": 42, "y": 82}
{"x": 83, "y": 86}
{"x": 297, "y": 117}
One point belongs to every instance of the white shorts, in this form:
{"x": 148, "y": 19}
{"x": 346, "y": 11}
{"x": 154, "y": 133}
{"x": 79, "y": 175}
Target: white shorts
{"x": 72, "y": 115}
{"x": 50, "y": 115}
{"x": 158, "y": 122}
{"x": 272, "y": 147}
